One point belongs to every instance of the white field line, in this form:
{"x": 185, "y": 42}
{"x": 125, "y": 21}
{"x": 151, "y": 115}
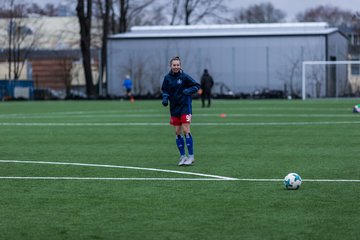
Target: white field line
{"x": 52, "y": 116}
{"x": 116, "y": 166}
{"x": 210, "y": 177}
{"x": 115, "y": 179}
{"x": 331, "y": 180}
{"x": 74, "y": 124}
{"x": 172, "y": 179}
{"x": 119, "y": 115}
{"x": 304, "y": 180}
{"x": 151, "y": 110}
{"x": 77, "y": 113}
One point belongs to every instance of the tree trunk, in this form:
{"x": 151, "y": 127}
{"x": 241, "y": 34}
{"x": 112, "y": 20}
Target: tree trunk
{"x": 123, "y": 12}
{"x": 105, "y": 33}
{"x": 85, "y": 43}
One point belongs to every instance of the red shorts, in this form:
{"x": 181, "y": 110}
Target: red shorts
{"x": 178, "y": 121}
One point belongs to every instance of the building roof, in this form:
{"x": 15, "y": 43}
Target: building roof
{"x": 227, "y": 30}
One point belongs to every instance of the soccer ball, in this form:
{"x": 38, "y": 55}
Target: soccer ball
{"x": 292, "y": 181}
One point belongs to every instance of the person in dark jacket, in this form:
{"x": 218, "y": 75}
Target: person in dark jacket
{"x": 207, "y": 83}
{"x": 177, "y": 89}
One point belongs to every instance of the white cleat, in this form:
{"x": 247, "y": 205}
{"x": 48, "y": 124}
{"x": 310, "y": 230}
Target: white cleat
{"x": 190, "y": 160}
{"x": 182, "y": 160}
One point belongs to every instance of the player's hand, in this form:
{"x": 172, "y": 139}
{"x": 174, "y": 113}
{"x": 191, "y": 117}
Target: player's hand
{"x": 165, "y": 102}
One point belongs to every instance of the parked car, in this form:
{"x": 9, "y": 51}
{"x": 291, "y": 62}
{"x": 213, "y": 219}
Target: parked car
{"x": 221, "y": 90}
{"x": 48, "y": 94}
{"x": 76, "y": 95}
{"x": 268, "y": 94}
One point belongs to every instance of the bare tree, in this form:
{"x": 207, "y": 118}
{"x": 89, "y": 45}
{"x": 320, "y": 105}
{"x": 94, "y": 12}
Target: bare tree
{"x": 344, "y": 20}
{"x": 18, "y": 48}
{"x": 174, "y": 11}
{"x": 65, "y": 64}
{"x": 129, "y": 11}
{"x": 334, "y": 16}
{"x": 48, "y": 10}
{"x": 104, "y": 17}
{"x": 27, "y": 9}
{"x": 194, "y": 11}
{"x": 20, "y": 38}
{"x": 124, "y": 7}
{"x": 315, "y": 81}
{"x": 259, "y": 13}
{"x": 356, "y": 25}
{"x": 122, "y": 16}
{"x": 290, "y": 71}
{"x": 152, "y": 15}
{"x": 84, "y": 15}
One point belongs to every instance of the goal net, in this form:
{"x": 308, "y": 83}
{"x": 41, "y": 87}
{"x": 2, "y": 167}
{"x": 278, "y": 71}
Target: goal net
{"x": 330, "y": 79}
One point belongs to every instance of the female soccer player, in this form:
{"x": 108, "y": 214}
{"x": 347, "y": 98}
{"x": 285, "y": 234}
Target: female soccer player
{"x": 177, "y": 88}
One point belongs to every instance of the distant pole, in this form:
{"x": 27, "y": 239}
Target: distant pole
{"x": 100, "y": 78}
{"x": 233, "y": 66}
{"x": 267, "y": 68}
{"x": 303, "y": 81}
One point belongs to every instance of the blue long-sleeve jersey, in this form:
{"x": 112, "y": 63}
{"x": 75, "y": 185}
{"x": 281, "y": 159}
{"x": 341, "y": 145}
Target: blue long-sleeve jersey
{"x": 127, "y": 84}
{"x": 177, "y": 88}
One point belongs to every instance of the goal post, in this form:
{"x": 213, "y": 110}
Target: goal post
{"x": 328, "y": 78}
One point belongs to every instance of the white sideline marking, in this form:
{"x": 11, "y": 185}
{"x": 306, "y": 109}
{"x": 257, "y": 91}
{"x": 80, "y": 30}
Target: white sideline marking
{"x": 304, "y": 180}
{"x": 116, "y": 166}
{"x": 210, "y": 177}
{"x": 196, "y": 124}
{"x": 329, "y": 180}
{"x": 117, "y": 179}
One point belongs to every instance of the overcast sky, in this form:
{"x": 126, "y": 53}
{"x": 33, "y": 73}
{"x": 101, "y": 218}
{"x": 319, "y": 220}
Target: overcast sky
{"x": 290, "y": 7}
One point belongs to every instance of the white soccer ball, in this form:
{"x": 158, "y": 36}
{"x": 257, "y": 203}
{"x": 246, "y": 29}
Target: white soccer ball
{"x": 292, "y": 181}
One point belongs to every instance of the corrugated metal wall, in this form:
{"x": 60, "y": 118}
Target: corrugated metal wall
{"x": 242, "y": 63}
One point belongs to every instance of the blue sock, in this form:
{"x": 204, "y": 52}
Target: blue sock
{"x": 189, "y": 144}
{"x": 180, "y": 144}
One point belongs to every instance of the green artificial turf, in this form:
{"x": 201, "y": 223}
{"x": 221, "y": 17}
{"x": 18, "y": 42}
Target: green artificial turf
{"x": 256, "y": 140}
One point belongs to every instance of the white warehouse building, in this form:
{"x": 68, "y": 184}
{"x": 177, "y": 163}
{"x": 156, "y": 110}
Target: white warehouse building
{"x": 244, "y": 57}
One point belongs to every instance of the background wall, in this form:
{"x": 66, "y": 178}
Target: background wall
{"x": 242, "y": 63}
